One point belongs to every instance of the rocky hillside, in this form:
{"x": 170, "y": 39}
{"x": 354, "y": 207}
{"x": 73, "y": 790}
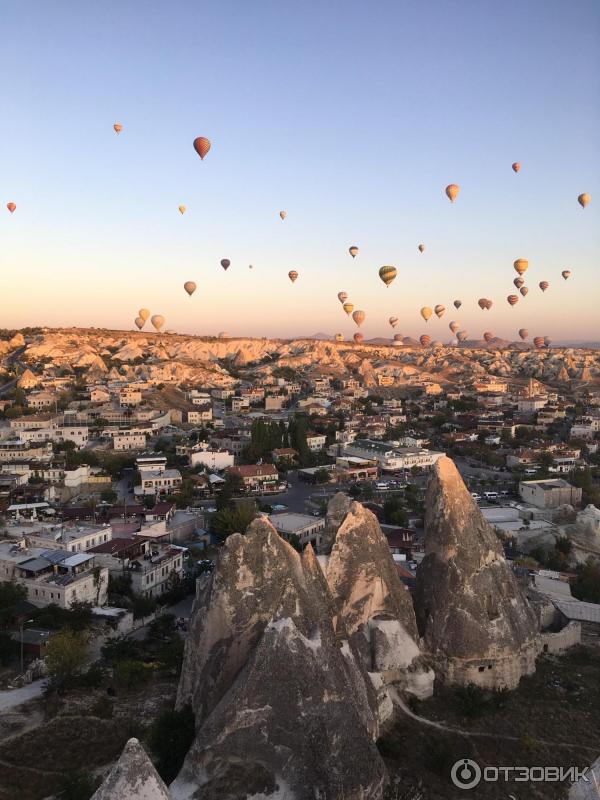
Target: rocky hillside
{"x": 216, "y": 361}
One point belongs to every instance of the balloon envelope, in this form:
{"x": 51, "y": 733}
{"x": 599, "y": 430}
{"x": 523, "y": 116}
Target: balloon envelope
{"x": 157, "y": 321}
{"x": 524, "y": 290}
{"x": 182, "y": 209}
{"x": 387, "y": 274}
{"x": 566, "y": 273}
{"x": 421, "y": 248}
{"x": 201, "y": 146}
{"x": 225, "y": 262}
{"x": 144, "y": 313}
{"x": 190, "y": 287}
{"x": 454, "y": 326}
{"x": 358, "y": 338}
{"x": 488, "y": 336}
{"x": 584, "y": 199}
{"x": 359, "y": 317}
{"x": 393, "y": 321}
{"x": 11, "y": 207}
{"x": 523, "y": 333}
{"x": 516, "y": 166}
{"x": 539, "y": 341}
{"x": 461, "y": 336}
{"x": 457, "y": 304}
{"x": 353, "y": 250}
{"x": 426, "y": 313}
{"x": 518, "y": 282}
{"x": 283, "y": 214}
{"x": 452, "y": 191}
{"x": 543, "y": 285}
{"x": 521, "y": 265}
{"x": 140, "y": 322}
{"x": 342, "y": 296}
{"x": 425, "y": 340}
{"x": 439, "y": 311}
{"x": 512, "y": 299}
{"x": 118, "y": 127}
{"x": 348, "y": 308}
{"x": 339, "y": 337}
{"x": 292, "y": 275}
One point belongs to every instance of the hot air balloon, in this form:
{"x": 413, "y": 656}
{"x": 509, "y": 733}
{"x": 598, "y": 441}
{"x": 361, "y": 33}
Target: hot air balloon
{"x": 426, "y": 312}
{"x": 539, "y": 342}
{"x": 140, "y": 323}
{"x": 518, "y": 282}
{"x": 359, "y": 317}
{"x": 144, "y": 313}
{"x": 521, "y": 265}
{"x": 11, "y": 207}
{"x": 201, "y": 146}
{"x": 421, "y": 248}
{"x": 457, "y": 304}
{"x": 283, "y": 214}
{"x": 353, "y": 250}
{"x": 584, "y": 199}
{"x": 398, "y": 337}
{"x": 118, "y": 127}
{"x": 157, "y": 321}
{"x": 387, "y": 274}
{"x": 524, "y": 291}
{"x": 223, "y": 335}
{"x": 516, "y": 166}
{"x": 358, "y": 338}
{"x": 566, "y": 273}
{"x": 512, "y": 299}
{"x": 250, "y": 266}
{"x": 292, "y": 275}
{"x": 543, "y": 285}
{"x": 523, "y": 333}
{"x": 488, "y": 336}
{"x": 454, "y": 326}
{"x": 452, "y": 191}
{"x": 225, "y": 262}
{"x": 348, "y": 308}
{"x": 182, "y": 209}
{"x": 190, "y": 287}
{"x": 425, "y": 340}
{"x": 339, "y": 337}
{"x": 439, "y": 311}
{"x": 461, "y": 336}
{"x": 482, "y": 303}
{"x": 393, "y": 321}
{"x": 342, "y": 296}
{"x": 547, "y": 341}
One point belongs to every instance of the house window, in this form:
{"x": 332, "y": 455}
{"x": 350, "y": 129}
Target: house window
{"x": 481, "y": 669}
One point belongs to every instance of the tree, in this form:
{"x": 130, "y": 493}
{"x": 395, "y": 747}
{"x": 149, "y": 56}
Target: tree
{"x": 321, "y": 476}
{"x": 11, "y": 595}
{"x": 108, "y": 496}
{"x": 586, "y": 585}
{"x": 66, "y": 656}
{"x": 234, "y": 485}
{"x": 230, "y": 520}
{"x": 394, "y": 512}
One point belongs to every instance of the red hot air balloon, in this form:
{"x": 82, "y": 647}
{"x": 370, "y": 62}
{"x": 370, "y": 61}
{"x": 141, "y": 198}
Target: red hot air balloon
{"x": 201, "y": 146}
{"x": 516, "y": 166}
{"x": 292, "y": 275}
{"x": 425, "y": 340}
{"x": 512, "y": 299}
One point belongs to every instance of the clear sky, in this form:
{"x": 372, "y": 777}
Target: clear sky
{"x": 351, "y": 116}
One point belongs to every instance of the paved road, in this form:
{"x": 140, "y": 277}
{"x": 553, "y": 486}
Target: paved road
{"x": 14, "y": 697}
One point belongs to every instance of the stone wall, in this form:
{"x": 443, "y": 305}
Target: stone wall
{"x": 559, "y": 641}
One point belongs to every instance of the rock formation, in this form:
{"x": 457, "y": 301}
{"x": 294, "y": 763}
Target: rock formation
{"x": 476, "y": 622}
{"x": 133, "y": 777}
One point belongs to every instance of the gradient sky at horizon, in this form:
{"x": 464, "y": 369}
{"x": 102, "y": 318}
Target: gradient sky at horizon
{"x": 350, "y": 116}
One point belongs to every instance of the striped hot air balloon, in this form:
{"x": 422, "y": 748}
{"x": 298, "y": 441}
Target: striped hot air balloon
{"x": 566, "y": 273}
{"x": 393, "y": 321}
{"x": 201, "y": 146}
{"x": 342, "y": 296}
{"x": 388, "y": 274}
{"x": 348, "y": 308}
{"x": 118, "y": 127}
{"x": 292, "y": 275}
{"x": 512, "y": 299}
{"x": 439, "y": 311}
{"x": 524, "y": 291}
{"x": 518, "y": 282}
{"x": 539, "y": 342}
{"x": 358, "y": 338}
{"x": 359, "y": 317}
{"x": 543, "y": 285}
{"x": 425, "y": 340}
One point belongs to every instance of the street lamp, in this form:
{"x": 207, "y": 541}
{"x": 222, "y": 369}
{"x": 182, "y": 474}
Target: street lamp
{"x": 23, "y": 621}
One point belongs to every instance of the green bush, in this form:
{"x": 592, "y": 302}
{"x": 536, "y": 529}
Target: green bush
{"x": 131, "y": 674}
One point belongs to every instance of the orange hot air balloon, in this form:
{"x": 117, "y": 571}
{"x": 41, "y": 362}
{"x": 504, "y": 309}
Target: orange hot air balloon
{"x": 426, "y": 313}
{"x": 518, "y": 282}
{"x": 393, "y": 321}
{"x": 283, "y": 214}
{"x": 516, "y": 166}
{"x": 566, "y": 273}
{"x": 523, "y": 333}
{"x": 225, "y": 263}
{"x": 358, "y": 338}
{"x": 521, "y": 265}
{"x": 182, "y": 209}
{"x": 348, "y": 308}
{"x": 512, "y": 299}
{"x": 524, "y": 291}
{"x": 139, "y": 323}
{"x": 342, "y": 296}
{"x": 353, "y": 250}
{"x": 543, "y": 285}
{"x": 359, "y": 317}
{"x": 457, "y": 304}
{"x": 11, "y": 207}
{"x": 452, "y": 191}
{"x": 461, "y": 336}
{"x": 421, "y": 248}
{"x": 201, "y": 146}
{"x": 144, "y": 313}
{"x": 190, "y": 287}
{"x": 292, "y": 275}
{"x": 539, "y": 342}
{"x": 454, "y": 326}
{"x": 439, "y": 311}
{"x": 488, "y": 336}
{"x": 584, "y": 199}
{"x": 118, "y": 127}
{"x": 425, "y": 340}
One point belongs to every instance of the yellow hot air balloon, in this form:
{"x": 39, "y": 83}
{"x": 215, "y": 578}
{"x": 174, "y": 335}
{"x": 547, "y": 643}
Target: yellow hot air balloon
{"x": 543, "y": 285}
{"x": 140, "y": 322}
{"x": 353, "y": 250}
{"x": 421, "y": 248}
{"x": 521, "y": 265}
{"x": 144, "y": 313}
{"x": 439, "y": 311}
{"x": 516, "y": 166}
{"x": 457, "y": 304}
{"x": 342, "y": 296}
{"x": 190, "y": 287}
{"x": 454, "y": 326}
{"x": 359, "y": 317}
{"x": 118, "y": 127}
{"x": 426, "y": 312}
{"x": 452, "y": 191}
{"x": 393, "y": 321}
{"x": 523, "y": 333}
{"x": 524, "y": 291}
{"x": 339, "y": 337}
{"x": 387, "y": 274}
{"x": 348, "y": 308}
{"x": 182, "y": 209}
{"x": 425, "y": 340}
{"x": 584, "y": 199}
{"x": 566, "y": 273}
{"x": 11, "y": 207}
{"x": 283, "y": 214}
{"x": 292, "y": 275}
{"x": 157, "y": 321}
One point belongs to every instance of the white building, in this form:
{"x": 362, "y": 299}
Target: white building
{"x": 213, "y": 459}
{"x": 129, "y": 440}
{"x": 308, "y": 529}
{"x": 390, "y": 458}
{"x": 315, "y": 441}
{"x": 198, "y": 415}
